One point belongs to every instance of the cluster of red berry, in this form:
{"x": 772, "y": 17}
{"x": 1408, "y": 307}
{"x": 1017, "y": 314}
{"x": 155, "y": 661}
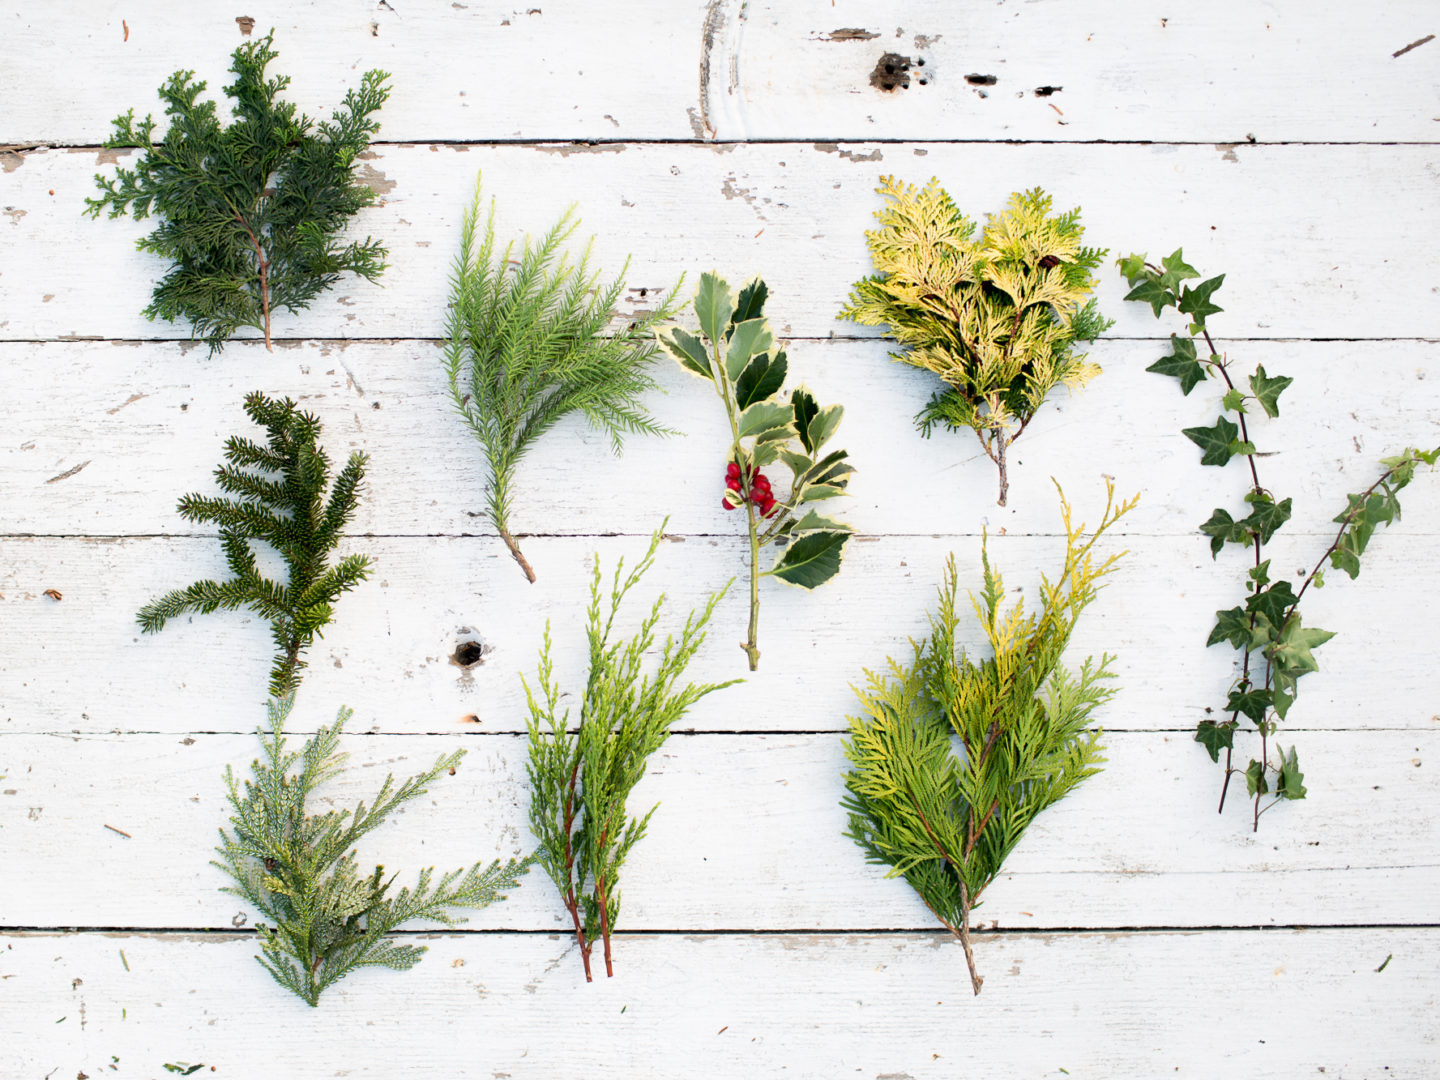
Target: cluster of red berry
{"x": 760, "y": 493}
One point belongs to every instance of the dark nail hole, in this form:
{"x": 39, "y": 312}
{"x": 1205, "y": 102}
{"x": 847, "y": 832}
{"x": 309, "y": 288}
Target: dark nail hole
{"x": 469, "y": 653}
{"x": 981, "y": 80}
{"x": 891, "y": 73}
{"x": 920, "y": 62}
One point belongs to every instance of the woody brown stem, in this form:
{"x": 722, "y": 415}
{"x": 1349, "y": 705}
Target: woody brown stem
{"x": 519, "y": 555}
{"x": 264, "y": 277}
{"x": 964, "y": 935}
{"x": 604, "y": 913}
{"x": 571, "y": 903}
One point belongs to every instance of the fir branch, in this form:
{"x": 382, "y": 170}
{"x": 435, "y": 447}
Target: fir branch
{"x": 251, "y": 213}
{"x": 997, "y": 319}
{"x": 322, "y": 920}
{"x": 284, "y": 505}
{"x": 580, "y": 780}
{"x": 737, "y": 353}
{"x": 527, "y": 347}
{"x": 945, "y": 821}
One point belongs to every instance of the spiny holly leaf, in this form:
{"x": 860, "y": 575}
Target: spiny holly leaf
{"x": 1290, "y": 784}
{"x": 1267, "y": 390}
{"x": 761, "y": 379}
{"x": 812, "y": 560}
{"x": 1215, "y": 737}
{"x": 751, "y": 302}
{"x": 822, "y": 425}
{"x": 686, "y": 348}
{"x": 764, "y": 416}
{"x": 1176, "y": 270}
{"x": 805, "y": 409}
{"x": 749, "y": 338}
{"x": 1196, "y": 302}
{"x": 1181, "y": 363}
{"x": 714, "y": 306}
{"x": 1255, "y": 778}
{"x": 1218, "y": 442}
{"x": 1153, "y": 293}
{"x": 813, "y": 521}
{"x": 1252, "y": 702}
{"x": 1267, "y": 515}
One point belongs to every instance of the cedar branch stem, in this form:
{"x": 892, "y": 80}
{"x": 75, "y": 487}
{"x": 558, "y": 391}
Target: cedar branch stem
{"x": 264, "y": 276}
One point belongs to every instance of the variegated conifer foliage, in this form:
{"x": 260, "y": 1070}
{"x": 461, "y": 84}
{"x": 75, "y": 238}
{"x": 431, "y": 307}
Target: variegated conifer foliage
{"x": 996, "y": 317}
{"x": 947, "y": 820}
{"x": 737, "y": 353}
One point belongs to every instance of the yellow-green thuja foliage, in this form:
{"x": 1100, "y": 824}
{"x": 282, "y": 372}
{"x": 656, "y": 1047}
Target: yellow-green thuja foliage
{"x": 996, "y": 317}
{"x": 954, "y": 756}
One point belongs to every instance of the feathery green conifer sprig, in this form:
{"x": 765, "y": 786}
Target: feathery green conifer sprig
{"x": 997, "y": 319}
{"x": 251, "y": 212}
{"x": 280, "y": 489}
{"x": 1276, "y": 647}
{"x": 580, "y": 780}
{"x": 738, "y": 354}
{"x": 528, "y": 346}
{"x": 945, "y": 821}
{"x": 322, "y": 920}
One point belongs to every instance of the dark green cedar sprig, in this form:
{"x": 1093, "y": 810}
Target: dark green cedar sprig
{"x": 580, "y": 780}
{"x": 251, "y": 213}
{"x": 946, "y": 821}
{"x": 298, "y": 869}
{"x": 738, "y": 354}
{"x": 280, "y": 489}
{"x": 1275, "y": 646}
{"x": 528, "y": 346}
{"x": 996, "y": 318}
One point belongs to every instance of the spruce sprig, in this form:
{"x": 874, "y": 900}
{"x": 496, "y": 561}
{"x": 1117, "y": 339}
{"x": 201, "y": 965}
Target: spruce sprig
{"x": 997, "y": 319}
{"x": 528, "y": 346}
{"x": 322, "y": 920}
{"x": 251, "y": 212}
{"x": 280, "y": 489}
{"x": 945, "y": 821}
{"x": 1276, "y": 647}
{"x": 580, "y": 780}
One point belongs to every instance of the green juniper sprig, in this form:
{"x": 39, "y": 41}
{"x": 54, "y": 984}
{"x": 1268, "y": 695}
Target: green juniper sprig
{"x": 996, "y": 318}
{"x": 736, "y": 351}
{"x": 298, "y": 869}
{"x": 580, "y": 779}
{"x": 280, "y": 489}
{"x": 1276, "y": 647}
{"x": 251, "y": 213}
{"x": 527, "y": 346}
{"x": 946, "y": 821}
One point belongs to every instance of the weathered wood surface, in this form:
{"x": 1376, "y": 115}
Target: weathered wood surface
{"x": 1318, "y": 242}
{"x": 1163, "y": 858}
{"x": 700, "y": 1005}
{"x": 729, "y": 70}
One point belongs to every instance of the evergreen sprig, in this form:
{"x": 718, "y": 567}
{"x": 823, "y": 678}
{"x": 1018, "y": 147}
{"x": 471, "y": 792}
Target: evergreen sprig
{"x": 946, "y": 821}
{"x": 280, "y": 489}
{"x": 737, "y": 353}
{"x": 1276, "y": 647}
{"x": 996, "y": 318}
{"x": 322, "y": 920}
{"x": 580, "y": 780}
{"x": 251, "y": 212}
{"x": 527, "y": 346}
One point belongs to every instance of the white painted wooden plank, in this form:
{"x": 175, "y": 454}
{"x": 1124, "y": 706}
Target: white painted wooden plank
{"x": 144, "y": 424}
{"x": 1270, "y": 217}
{"x": 1117, "y": 1006}
{"x": 749, "y": 835}
{"x": 81, "y": 663}
{"x": 483, "y": 70}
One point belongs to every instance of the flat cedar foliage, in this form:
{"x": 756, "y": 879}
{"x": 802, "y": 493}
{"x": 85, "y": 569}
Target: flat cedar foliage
{"x": 528, "y": 345}
{"x": 581, "y": 779}
{"x": 996, "y": 317}
{"x": 946, "y": 820}
{"x": 298, "y": 868}
{"x": 280, "y": 489}
{"x": 251, "y": 212}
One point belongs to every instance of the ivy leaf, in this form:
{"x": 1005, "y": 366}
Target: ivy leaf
{"x": 1267, "y": 390}
{"x": 1232, "y": 626}
{"x": 1260, "y": 574}
{"x": 1255, "y": 778}
{"x": 1196, "y": 302}
{"x": 1176, "y": 270}
{"x": 1132, "y": 266}
{"x": 1223, "y": 529}
{"x": 1153, "y": 293}
{"x": 1218, "y": 442}
{"x": 1273, "y": 602}
{"x": 761, "y": 378}
{"x": 686, "y": 348}
{"x": 751, "y": 303}
{"x": 749, "y": 338}
{"x": 1233, "y": 401}
{"x": 1215, "y": 737}
{"x": 1181, "y": 363}
{"x": 1252, "y": 702}
{"x": 1291, "y": 651}
{"x": 1267, "y": 515}
{"x": 764, "y": 416}
{"x": 1290, "y": 784}
{"x": 812, "y": 560}
{"x": 714, "y": 306}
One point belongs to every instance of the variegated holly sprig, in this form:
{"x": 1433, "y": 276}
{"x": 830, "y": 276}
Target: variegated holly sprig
{"x": 737, "y": 353}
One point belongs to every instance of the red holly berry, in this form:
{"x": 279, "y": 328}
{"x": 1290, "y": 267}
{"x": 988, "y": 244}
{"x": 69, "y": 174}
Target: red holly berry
{"x": 761, "y": 483}
{"x": 732, "y": 471}
{"x": 727, "y": 504}
{"x": 733, "y": 483}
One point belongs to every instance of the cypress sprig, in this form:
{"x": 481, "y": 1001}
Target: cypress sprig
{"x": 322, "y": 920}
{"x": 280, "y": 489}
{"x": 528, "y": 346}
{"x": 251, "y": 212}
{"x": 996, "y": 318}
{"x": 580, "y": 780}
{"x": 945, "y": 821}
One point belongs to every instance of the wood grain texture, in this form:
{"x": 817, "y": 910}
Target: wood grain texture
{"x": 698, "y": 1005}
{"x": 1359, "y": 851}
{"x": 1310, "y": 236}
